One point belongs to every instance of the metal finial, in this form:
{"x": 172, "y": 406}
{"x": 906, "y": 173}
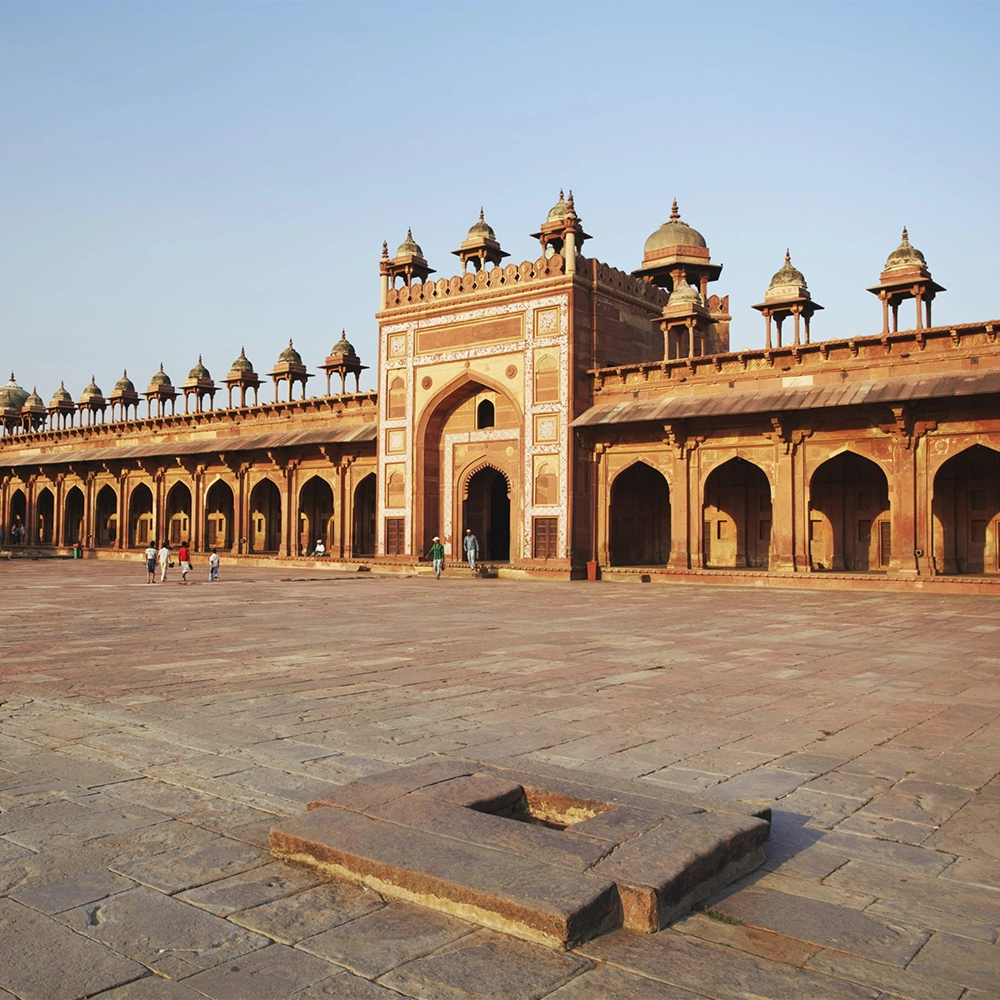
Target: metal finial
{"x": 481, "y": 218}
{"x": 561, "y": 196}
{"x": 674, "y": 214}
{"x": 906, "y": 235}
{"x": 788, "y": 256}
{"x": 570, "y": 202}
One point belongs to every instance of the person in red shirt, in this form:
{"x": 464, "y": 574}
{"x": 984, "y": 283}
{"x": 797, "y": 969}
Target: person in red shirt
{"x": 184, "y": 558}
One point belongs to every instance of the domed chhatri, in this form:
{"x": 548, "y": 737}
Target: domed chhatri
{"x": 289, "y": 369}
{"x": 343, "y": 360}
{"x": 480, "y": 246}
{"x": 62, "y": 409}
{"x": 677, "y": 250}
{"x": 242, "y": 376}
{"x": 787, "y": 295}
{"x": 199, "y": 384}
{"x": 408, "y": 264}
{"x": 673, "y": 233}
{"x": 91, "y": 402}
{"x": 92, "y": 391}
{"x": 160, "y": 390}
{"x": 12, "y": 396}
{"x": 562, "y": 232}
{"x": 123, "y": 398}
{"x": 905, "y": 276}
{"x": 61, "y": 395}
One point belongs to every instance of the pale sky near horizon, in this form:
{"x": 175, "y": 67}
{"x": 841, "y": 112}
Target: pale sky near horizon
{"x": 185, "y": 179}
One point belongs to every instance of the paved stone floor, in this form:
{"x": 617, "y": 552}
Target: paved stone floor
{"x": 150, "y": 734}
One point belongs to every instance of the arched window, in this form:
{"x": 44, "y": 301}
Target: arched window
{"x": 486, "y": 414}
{"x": 547, "y": 380}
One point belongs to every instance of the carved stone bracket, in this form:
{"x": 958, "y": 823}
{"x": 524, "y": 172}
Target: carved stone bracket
{"x": 676, "y": 435}
{"x": 785, "y": 434}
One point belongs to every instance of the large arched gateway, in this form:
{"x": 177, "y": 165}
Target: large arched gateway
{"x": 640, "y": 518}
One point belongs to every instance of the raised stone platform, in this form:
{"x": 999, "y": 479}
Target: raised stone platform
{"x": 551, "y": 855}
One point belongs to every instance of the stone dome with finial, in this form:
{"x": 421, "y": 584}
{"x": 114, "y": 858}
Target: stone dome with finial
{"x": 291, "y": 356}
{"x": 61, "y": 395}
{"x": 684, "y": 293}
{"x": 788, "y": 282}
{"x": 199, "y": 371}
{"x": 160, "y": 377}
{"x": 12, "y": 396}
{"x": 481, "y": 229}
{"x": 34, "y": 401}
{"x": 409, "y": 246}
{"x": 673, "y": 233}
{"x": 559, "y": 210}
{"x": 124, "y": 384}
{"x": 92, "y": 391}
{"x": 242, "y": 363}
{"x": 905, "y": 255}
{"x": 344, "y": 346}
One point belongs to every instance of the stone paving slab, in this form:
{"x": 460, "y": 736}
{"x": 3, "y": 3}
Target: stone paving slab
{"x": 887, "y": 702}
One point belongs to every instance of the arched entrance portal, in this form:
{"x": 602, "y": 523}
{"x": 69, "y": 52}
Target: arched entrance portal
{"x": 178, "y": 515}
{"x": 363, "y": 527}
{"x": 315, "y": 515}
{"x": 967, "y": 513}
{"x": 265, "y": 517}
{"x": 487, "y": 512}
{"x": 106, "y": 529}
{"x": 45, "y": 514}
{"x": 73, "y": 517}
{"x": 219, "y": 516}
{"x": 140, "y": 517}
{"x": 849, "y": 524}
{"x": 640, "y": 518}
{"x": 18, "y": 522}
{"x": 736, "y": 520}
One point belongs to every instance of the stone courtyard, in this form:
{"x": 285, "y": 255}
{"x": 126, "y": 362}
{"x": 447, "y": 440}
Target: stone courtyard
{"x": 150, "y": 736}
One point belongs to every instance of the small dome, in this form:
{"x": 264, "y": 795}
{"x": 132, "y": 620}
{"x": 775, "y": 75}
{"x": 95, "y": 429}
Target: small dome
{"x": 242, "y": 363}
{"x": 787, "y": 275}
{"x": 409, "y": 246}
{"x": 199, "y": 371}
{"x": 291, "y": 356}
{"x": 92, "y": 391}
{"x": 61, "y": 395}
{"x": 12, "y": 396}
{"x": 34, "y": 401}
{"x": 674, "y": 233}
{"x": 683, "y": 292}
{"x": 481, "y": 229}
{"x": 124, "y": 384}
{"x": 160, "y": 378}
{"x": 559, "y": 210}
{"x": 905, "y": 256}
{"x": 344, "y": 346}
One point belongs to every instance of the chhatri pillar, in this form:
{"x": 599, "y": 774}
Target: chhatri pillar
{"x": 788, "y": 295}
{"x": 906, "y": 277}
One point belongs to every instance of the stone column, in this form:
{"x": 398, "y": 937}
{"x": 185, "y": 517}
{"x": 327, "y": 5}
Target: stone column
{"x": 89, "y": 514}
{"x": 923, "y": 503}
{"x": 57, "y": 512}
{"x": 123, "y": 499}
{"x": 903, "y": 510}
{"x": 681, "y": 526}
{"x": 30, "y": 521}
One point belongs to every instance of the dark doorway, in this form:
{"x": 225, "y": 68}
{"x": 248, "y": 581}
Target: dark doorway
{"x": 140, "y": 517}
{"x": 45, "y": 514}
{"x": 849, "y": 523}
{"x": 265, "y": 517}
{"x": 106, "y": 529}
{"x": 487, "y": 512}
{"x": 315, "y": 516}
{"x": 73, "y": 517}
{"x": 736, "y": 517}
{"x": 178, "y": 515}
{"x": 363, "y": 528}
{"x": 967, "y": 513}
{"x": 640, "y": 518}
{"x": 219, "y": 516}
{"x": 18, "y": 525}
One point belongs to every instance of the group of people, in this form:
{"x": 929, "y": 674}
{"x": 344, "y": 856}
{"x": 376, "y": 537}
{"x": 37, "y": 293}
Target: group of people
{"x": 16, "y": 535}
{"x": 470, "y": 546}
{"x": 161, "y": 556}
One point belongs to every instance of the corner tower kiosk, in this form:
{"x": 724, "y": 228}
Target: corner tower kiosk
{"x": 480, "y": 376}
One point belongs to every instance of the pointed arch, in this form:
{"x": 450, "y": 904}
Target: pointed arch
{"x": 73, "y": 517}
{"x": 106, "y": 517}
{"x": 966, "y": 509}
{"x": 178, "y": 514}
{"x": 363, "y": 521}
{"x": 45, "y": 516}
{"x": 486, "y": 509}
{"x": 315, "y": 515}
{"x": 140, "y": 517}
{"x": 220, "y": 509}
{"x": 640, "y": 517}
{"x": 265, "y": 517}
{"x": 17, "y": 518}
{"x": 736, "y": 516}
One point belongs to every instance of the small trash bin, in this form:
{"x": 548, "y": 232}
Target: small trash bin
{"x": 591, "y": 570}
{"x": 77, "y": 551}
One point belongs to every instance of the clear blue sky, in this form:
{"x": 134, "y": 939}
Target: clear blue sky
{"x": 182, "y": 178}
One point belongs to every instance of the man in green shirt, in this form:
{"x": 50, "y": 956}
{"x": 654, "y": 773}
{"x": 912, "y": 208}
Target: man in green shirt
{"x": 437, "y": 554}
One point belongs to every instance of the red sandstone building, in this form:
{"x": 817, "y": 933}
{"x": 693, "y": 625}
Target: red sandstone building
{"x": 570, "y": 414}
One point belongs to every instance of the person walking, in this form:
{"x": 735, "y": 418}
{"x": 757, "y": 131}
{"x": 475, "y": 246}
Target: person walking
{"x": 184, "y": 558}
{"x": 437, "y": 554}
{"x": 213, "y": 567}
{"x": 164, "y": 555}
{"x": 471, "y": 546}
{"x": 150, "y": 555}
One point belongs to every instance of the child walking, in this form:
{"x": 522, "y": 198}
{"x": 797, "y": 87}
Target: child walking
{"x": 213, "y": 567}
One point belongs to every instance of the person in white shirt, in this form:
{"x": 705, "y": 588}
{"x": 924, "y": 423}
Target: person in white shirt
{"x": 320, "y": 549}
{"x": 164, "y": 561}
{"x": 213, "y": 566}
{"x": 150, "y": 555}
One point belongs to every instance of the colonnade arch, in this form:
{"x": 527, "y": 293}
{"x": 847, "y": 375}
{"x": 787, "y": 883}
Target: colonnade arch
{"x": 178, "y": 514}
{"x": 219, "y": 516}
{"x": 73, "y": 508}
{"x": 639, "y": 517}
{"x": 736, "y": 516}
{"x": 17, "y": 521}
{"x": 363, "y": 527}
{"x": 315, "y": 515}
{"x": 140, "y": 517}
{"x": 265, "y": 517}
{"x": 45, "y": 516}
{"x": 850, "y": 526}
{"x": 106, "y": 518}
{"x": 966, "y": 511}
